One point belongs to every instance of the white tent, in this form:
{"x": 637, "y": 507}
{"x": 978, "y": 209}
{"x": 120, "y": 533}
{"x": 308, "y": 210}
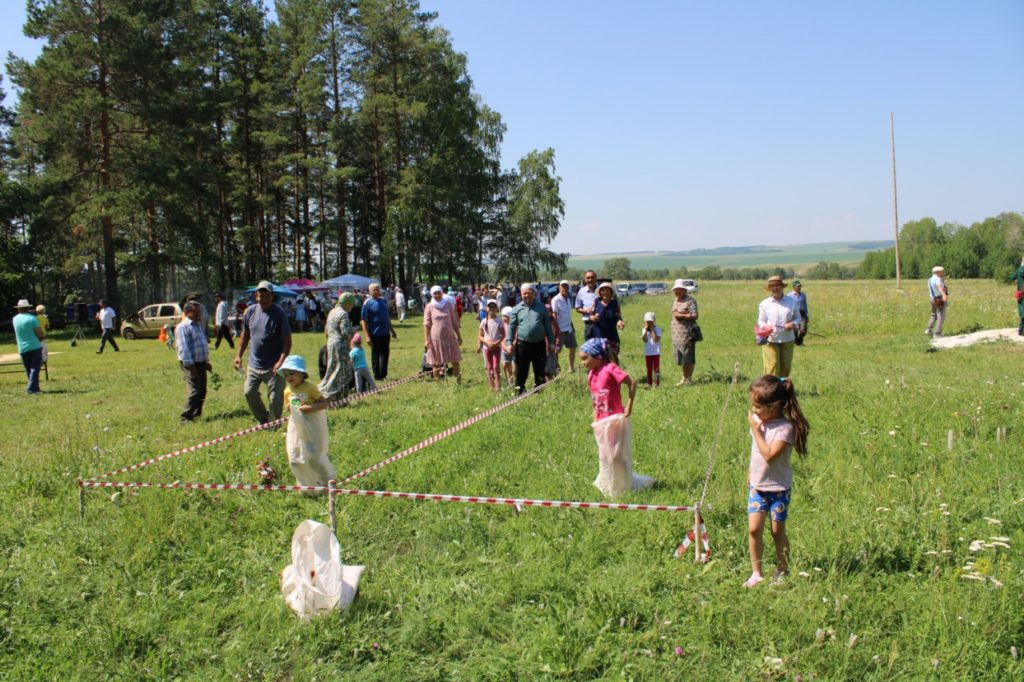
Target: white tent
{"x": 349, "y": 282}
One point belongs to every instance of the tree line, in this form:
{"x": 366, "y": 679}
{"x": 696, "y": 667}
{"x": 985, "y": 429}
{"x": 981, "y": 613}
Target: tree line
{"x": 162, "y": 145}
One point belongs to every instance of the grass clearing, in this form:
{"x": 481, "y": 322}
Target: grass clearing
{"x": 165, "y": 584}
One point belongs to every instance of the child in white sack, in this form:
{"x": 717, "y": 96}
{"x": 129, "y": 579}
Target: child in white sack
{"x": 611, "y": 421}
{"x": 306, "y": 441}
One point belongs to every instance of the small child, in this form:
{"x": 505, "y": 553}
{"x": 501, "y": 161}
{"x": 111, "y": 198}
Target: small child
{"x": 364, "y": 380}
{"x": 611, "y": 425}
{"x": 551, "y": 367}
{"x": 777, "y": 426}
{"x": 508, "y": 358}
{"x": 651, "y": 336}
{"x": 306, "y": 441}
{"x": 491, "y": 336}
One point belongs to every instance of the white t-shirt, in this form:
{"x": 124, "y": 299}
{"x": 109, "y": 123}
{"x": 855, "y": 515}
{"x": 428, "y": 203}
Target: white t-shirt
{"x": 652, "y": 347}
{"x": 107, "y": 316}
{"x": 563, "y": 313}
{"x": 222, "y": 313}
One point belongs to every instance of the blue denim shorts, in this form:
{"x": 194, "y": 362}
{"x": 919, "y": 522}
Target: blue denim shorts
{"x": 774, "y": 502}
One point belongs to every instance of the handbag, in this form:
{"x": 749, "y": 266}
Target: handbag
{"x": 696, "y": 334}
{"x": 938, "y": 302}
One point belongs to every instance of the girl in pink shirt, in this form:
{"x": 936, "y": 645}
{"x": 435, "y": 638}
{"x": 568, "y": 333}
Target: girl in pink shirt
{"x": 611, "y": 425}
{"x": 777, "y": 427}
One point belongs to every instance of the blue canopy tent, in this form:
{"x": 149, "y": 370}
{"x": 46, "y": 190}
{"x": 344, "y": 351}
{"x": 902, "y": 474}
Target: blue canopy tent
{"x": 278, "y": 291}
{"x": 349, "y": 282}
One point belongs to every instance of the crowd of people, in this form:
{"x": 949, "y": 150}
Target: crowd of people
{"x": 519, "y": 329}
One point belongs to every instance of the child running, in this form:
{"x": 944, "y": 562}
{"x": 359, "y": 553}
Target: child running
{"x": 651, "y": 336}
{"x": 612, "y": 429}
{"x": 777, "y": 426}
{"x": 307, "y": 425}
{"x": 491, "y": 336}
{"x": 364, "y": 380}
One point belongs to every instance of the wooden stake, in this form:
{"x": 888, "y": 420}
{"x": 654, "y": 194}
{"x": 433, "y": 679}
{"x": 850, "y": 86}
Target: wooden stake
{"x": 331, "y": 511}
{"x": 895, "y": 212}
{"x": 696, "y": 535}
{"x": 81, "y": 503}
{"x": 949, "y": 441}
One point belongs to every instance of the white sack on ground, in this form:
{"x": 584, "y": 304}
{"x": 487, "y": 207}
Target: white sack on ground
{"x": 307, "y": 448}
{"x": 317, "y": 581}
{"x": 614, "y": 437}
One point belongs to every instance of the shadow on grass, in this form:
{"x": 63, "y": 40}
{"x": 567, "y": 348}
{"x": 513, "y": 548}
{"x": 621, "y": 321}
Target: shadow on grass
{"x": 889, "y": 563}
{"x": 230, "y": 414}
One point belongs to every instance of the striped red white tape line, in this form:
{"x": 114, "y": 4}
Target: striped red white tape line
{"x": 253, "y": 429}
{"x": 425, "y": 497}
{"x": 447, "y": 432}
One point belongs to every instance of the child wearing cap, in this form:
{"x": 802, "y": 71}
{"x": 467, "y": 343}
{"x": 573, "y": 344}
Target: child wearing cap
{"x": 306, "y": 441}
{"x": 508, "y": 358}
{"x": 651, "y": 336}
{"x": 364, "y": 380}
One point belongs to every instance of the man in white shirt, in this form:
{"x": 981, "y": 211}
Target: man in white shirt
{"x": 939, "y": 296}
{"x": 562, "y": 309}
{"x": 106, "y": 316}
{"x": 400, "y": 304}
{"x": 220, "y": 320}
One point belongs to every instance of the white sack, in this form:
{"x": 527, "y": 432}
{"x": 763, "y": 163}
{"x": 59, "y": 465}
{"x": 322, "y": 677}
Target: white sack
{"x": 614, "y": 437}
{"x": 317, "y": 581}
{"x": 307, "y": 447}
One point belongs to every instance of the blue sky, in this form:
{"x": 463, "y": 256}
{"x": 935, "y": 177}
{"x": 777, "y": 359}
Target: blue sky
{"x": 681, "y": 125}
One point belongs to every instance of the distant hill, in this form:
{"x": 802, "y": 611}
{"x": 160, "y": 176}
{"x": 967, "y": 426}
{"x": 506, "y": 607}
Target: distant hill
{"x": 795, "y": 256}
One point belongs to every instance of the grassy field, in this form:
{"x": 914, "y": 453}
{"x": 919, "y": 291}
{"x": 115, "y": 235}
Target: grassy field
{"x": 799, "y": 257}
{"x": 885, "y": 585}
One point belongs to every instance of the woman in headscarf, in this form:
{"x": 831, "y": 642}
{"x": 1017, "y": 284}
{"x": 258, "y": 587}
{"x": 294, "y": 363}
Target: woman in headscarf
{"x": 441, "y": 334}
{"x": 338, "y": 328}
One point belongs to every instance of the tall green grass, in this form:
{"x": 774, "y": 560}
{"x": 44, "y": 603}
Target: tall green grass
{"x": 162, "y": 584}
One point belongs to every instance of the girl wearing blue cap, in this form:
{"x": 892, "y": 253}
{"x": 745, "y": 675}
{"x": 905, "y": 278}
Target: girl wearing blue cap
{"x": 306, "y": 442}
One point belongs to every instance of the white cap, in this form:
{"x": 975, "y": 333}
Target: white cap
{"x": 565, "y": 282}
{"x": 938, "y": 268}
{"x": 648, "y": 317}
{"x": 506, "y": 311}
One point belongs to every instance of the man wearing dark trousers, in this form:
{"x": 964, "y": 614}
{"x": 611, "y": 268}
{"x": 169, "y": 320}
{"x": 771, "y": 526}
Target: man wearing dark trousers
{"x": 220, "y": 321}
{"x": 194, "y": 358}
{"x": 107, "y": 316}
{"x": 377, "y": 329}
{"x": 533, "y": 337}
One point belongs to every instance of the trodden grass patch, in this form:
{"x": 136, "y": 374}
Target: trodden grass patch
{"x": 885, "y": 582}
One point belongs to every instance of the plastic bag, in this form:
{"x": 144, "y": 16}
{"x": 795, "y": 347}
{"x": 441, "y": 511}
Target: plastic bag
{"x": 317, "y": 581}
{"x": 306, "y": 444}
{"x": 615, "y": 476}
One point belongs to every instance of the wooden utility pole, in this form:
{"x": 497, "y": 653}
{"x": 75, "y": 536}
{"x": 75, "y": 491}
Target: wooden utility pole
{"x": 895, "y": 212}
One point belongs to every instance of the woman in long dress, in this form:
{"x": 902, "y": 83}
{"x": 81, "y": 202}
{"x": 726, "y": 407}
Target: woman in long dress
{"x": 441, "y": 334}
{"x": 339, "y": 373}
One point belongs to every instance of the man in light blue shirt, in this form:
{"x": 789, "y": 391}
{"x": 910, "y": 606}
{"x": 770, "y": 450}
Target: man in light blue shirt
{"x": 194, "y": 358}
{"x": 939, "y": 295}
{"x": 586, "y": 299}
{"x": 30, "y": 343}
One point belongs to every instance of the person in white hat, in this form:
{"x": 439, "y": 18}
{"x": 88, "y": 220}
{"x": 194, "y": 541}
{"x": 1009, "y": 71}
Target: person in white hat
{"x": 30, "y": 343}
{"x": 651, "y": 336}
{"x": 939, "y": 295}
{"x": 684, "y": 317}
{"x": 265, "y": 325}
{"x": 561, "y": 306}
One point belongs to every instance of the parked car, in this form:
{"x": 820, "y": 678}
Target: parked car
{"x": 622, "y": 290}
{"x": 637, "y": 288}
{"x": 148, "y": 322}
{"x": 691, "y": 286}
{"x": 655, "y": 288}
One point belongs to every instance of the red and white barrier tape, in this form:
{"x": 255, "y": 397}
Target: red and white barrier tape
{"x": 425, "y": 497}
{"x": 253, "y": 429}
{"x": 447, "y": 432}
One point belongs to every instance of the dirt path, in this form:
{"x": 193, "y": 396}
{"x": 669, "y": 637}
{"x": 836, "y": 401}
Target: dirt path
{"x": 1009, "y": 334}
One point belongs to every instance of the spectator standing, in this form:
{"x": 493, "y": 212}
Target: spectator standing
{"x": 939, "y": 295}
{"x": 607, "y": 319}
{"x": 265, "y": 326}
{"x": 30, "y": 335}
{"x": 586, "y": 300}
{"x": 376, "y": 324}
{"x": 107, "y": 316}
{"x": 532, "y": 337}
{"x": 781, "y": 316}
{"x": 1018, "y": 279}
{"x": 337, "y": 376}
{"x": 442, "y": 336}
{"x": 194, "y": 359}
{"x": 800, "y": 299}
{"x": 400, "y": 304}
{"x": 561, "y": 306}
{"x": 44, "y": 321}
{"x": 684, "y": 317}
{"x": 221, "y": 315}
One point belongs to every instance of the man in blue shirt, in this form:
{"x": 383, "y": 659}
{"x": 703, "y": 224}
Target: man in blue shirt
{"x": 265, "y": 325}
{"x": 30, "y": 343}
{"x": 194, "y": 358}
{"x": 376, "y": 324}
{"x": 586, "y": 299}
{"x": 532, "y": 337}
{"x": 939, "y": 295}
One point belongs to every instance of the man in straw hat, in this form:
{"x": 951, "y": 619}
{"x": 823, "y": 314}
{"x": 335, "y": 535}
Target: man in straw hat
{"x": 782, "y": 317}
{"x": 30, "y": 343}
{"x": 939, "y": 295}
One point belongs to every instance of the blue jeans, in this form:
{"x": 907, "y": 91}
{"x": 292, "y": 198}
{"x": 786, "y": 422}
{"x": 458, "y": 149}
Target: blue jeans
{"x": 33, "y": 361}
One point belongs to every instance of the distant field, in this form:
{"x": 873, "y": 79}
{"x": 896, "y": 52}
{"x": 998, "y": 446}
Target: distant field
{"x": 790, "y": 256}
